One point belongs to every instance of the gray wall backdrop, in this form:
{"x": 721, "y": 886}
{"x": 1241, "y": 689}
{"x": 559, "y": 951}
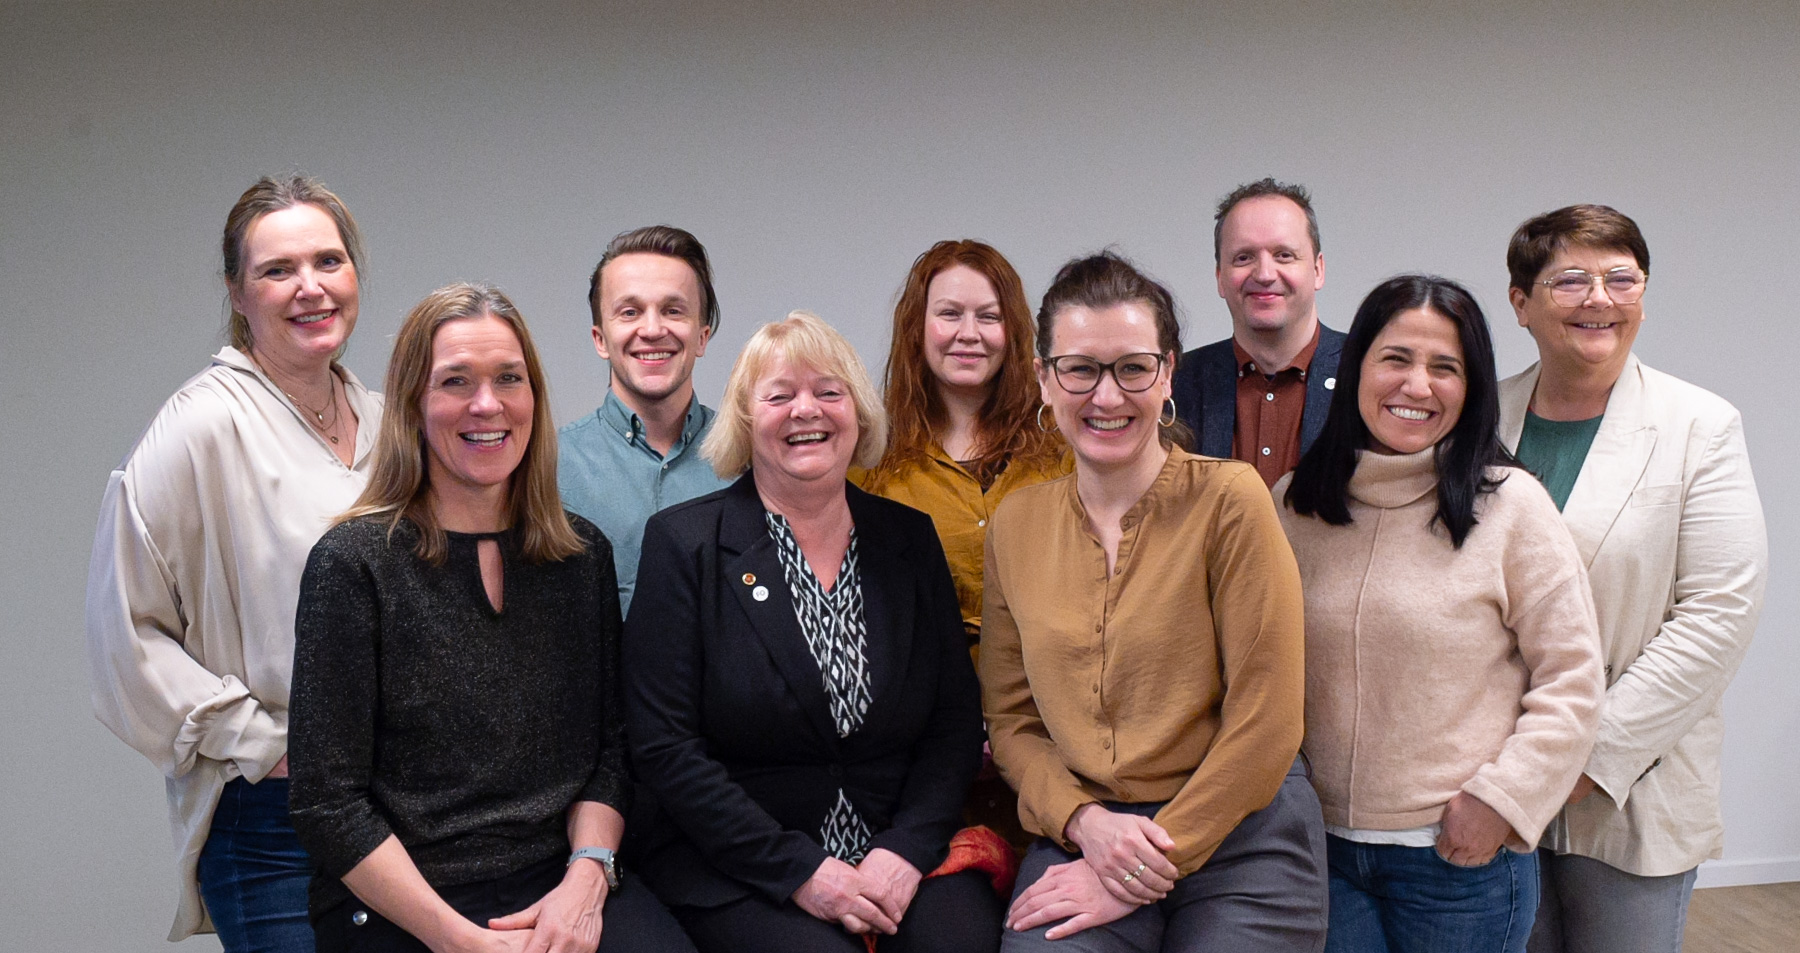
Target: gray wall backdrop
{"x": 817, "y": 148}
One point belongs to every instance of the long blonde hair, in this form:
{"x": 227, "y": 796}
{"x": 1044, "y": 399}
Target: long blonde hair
{"x": 398, "y": 485}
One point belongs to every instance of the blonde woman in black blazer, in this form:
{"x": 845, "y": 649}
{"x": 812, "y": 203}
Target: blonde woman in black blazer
{"x": 806, "y": 767}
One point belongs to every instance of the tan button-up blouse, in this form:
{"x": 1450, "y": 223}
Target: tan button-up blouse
{"x": 1177, "y": 678}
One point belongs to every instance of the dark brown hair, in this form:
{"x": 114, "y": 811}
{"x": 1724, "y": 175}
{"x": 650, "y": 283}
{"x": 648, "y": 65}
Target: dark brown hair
{"x": 1103, "y": 281}
{"x": 1575, "y": 226}
{"x": 671, "y": 242}
{"x": 1005, "y": 431}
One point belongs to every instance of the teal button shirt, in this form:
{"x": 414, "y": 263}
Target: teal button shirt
{"x": 608, "y": 473}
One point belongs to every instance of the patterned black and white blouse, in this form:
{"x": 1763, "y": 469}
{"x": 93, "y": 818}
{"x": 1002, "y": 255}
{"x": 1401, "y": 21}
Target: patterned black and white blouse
{"x": 837, "y": 635}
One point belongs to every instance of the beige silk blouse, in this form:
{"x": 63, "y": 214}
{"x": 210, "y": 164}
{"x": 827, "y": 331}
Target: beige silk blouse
{"x": 1178, "y": 678}
{"x": 204, "y": 531}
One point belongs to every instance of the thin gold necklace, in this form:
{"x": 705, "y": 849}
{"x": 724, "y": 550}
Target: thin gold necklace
{"x": 318, "y": 423}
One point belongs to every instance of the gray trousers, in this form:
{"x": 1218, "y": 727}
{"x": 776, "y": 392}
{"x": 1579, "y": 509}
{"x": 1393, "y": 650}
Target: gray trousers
{"x": 1265, "y": 888}
{"x": 1589, "y": 906}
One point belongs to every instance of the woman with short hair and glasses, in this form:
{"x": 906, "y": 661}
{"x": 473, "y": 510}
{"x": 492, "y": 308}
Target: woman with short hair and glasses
{"x": 1452, "y": 665}
{"x": 1653, "y": 479}
{"x": 1141, "y": 654}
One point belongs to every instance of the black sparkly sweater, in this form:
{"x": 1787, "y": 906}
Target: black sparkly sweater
{"x": 419, "y": 711}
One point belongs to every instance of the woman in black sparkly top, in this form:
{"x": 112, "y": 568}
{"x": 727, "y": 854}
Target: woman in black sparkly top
{"x": 802, "y": 708}
{"x": 457, "y": 742}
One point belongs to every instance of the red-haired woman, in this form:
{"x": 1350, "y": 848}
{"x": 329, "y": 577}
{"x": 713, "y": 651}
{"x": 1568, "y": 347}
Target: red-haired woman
{"x": 962, "y": 403}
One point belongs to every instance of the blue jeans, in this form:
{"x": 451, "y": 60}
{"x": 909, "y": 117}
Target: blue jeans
{"x": 1387, "y": 899}
{"x": 253, "y": 872}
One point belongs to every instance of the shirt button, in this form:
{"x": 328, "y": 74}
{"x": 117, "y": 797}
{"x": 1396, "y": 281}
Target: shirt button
{"x": 1265, "y": 451}
{"x": 981, "y": 522}
{"x": 1106, "y": 743}
{"x": 360, "y": 917}
{"x": 1269, "y": 396}
{"x": 1096, "y": 688}
{"x": 1096, "y": 627}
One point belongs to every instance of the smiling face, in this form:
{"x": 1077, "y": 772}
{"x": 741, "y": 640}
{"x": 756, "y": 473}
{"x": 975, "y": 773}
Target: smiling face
{"x": 803, "y": 426}
{"x": 1107, "y": 427}
{"x": 1413, "y": 382}
{"x": 965, "y": 338}
{"x": 299, "y": 290}
{"x": 652, "y": 328}
{"x": 1591, "y": 338}
{"x": 477, "y": 409}
{"x": 1268, "y": 270}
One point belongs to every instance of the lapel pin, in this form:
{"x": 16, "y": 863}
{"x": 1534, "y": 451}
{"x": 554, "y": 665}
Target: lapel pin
{"x": 749, "y": 579}
{"x": 760, "y": 593}
{"x": 1331, "y": 383}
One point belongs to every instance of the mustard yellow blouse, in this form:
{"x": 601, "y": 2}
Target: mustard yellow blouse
{"x": 953, "y": 497}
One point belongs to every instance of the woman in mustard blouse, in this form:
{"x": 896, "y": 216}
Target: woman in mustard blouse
{"x": 962, "y": 403}
{"x": 1141, "y": 661}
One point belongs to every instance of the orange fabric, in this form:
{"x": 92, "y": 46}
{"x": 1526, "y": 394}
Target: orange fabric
{"x": 976, "y": 848}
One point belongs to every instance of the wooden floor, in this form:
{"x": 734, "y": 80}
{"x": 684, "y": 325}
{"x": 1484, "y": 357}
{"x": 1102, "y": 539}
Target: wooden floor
{"x": 1759, "y": 919}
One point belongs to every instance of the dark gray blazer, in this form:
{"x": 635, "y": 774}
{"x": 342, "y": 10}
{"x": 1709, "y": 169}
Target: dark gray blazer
{"x": 731, "y": 733}
{"x": 1205, "y": 386}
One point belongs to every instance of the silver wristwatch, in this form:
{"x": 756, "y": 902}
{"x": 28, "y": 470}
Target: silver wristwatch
{"x": 609, "y": 864}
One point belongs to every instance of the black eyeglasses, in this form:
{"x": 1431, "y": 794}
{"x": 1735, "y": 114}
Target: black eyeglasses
{"x": 1080, "y": 374}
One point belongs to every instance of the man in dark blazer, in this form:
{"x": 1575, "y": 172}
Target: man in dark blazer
{"x": 732, "y": 736}
{"x": 1261, "y": 395}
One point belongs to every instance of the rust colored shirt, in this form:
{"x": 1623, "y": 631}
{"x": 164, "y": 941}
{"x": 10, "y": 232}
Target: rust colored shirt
{"x": 1269, "y": 404}
{"x": 1177, "y": 679}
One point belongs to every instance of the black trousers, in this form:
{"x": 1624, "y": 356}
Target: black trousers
{"x": 634, "y": 921}
{"x": 958, "y": 913}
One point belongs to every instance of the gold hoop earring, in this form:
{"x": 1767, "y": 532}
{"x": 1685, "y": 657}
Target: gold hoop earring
{"x": 1040, "y": 419}
{"x": 1172, "y": 413}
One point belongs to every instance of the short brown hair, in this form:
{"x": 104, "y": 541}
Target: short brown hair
{"x": 272, "y": 195}
{"x": 1574, "y": 226}
{"x": 1266, "y": 185}
{"x": 398, "y": 485}
{"x": 800, "y": 338}
{"x": 668, "y": 241}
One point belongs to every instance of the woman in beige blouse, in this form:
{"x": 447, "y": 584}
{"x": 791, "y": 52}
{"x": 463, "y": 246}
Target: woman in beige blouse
{"x": 204, "y": 530}
{"x": 1141, "y": 654}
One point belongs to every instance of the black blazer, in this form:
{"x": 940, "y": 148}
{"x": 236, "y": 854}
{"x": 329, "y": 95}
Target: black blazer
{"x": 1205, "y": 389}
{"x": 731, "y": 735}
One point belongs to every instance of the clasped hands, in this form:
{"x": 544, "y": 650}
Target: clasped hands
{"x": 1123, "y": 865}
{"x": 870, "y": 897}
{"x": 568, "y": 919}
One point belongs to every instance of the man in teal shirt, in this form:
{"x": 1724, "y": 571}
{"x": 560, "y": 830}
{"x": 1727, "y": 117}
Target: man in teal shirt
{"x": 654, "y": 311}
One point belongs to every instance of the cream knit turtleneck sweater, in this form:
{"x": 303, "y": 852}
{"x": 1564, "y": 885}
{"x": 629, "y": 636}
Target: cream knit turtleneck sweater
{"x": 1432, "y": 670}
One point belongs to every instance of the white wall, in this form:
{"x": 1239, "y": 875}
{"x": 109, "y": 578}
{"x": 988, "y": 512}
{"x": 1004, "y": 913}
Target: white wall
{"x": 816, "y": 148}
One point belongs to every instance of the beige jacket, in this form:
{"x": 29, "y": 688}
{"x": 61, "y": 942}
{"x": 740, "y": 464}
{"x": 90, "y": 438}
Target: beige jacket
{"x": 195, "y": 575}
{"x": 1666, "y": 517}
{"x": 1433, "y": 670}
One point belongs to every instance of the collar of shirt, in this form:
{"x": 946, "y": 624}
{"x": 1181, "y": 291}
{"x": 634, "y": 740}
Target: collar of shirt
{"x": 1136, "y": 514}
{"x": 1303, "y": 360}
{"x": 628, "y": 425}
